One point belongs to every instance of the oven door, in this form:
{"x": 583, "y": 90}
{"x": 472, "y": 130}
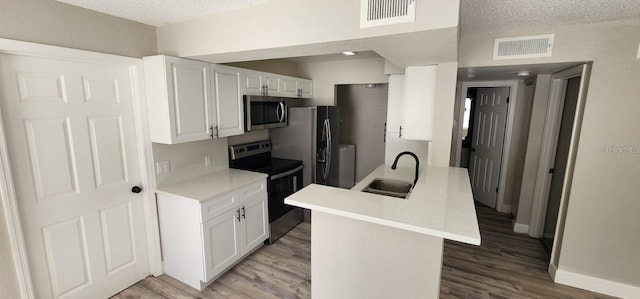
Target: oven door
{"x": 265, "y": 112}
{"x": 280, "y": 186}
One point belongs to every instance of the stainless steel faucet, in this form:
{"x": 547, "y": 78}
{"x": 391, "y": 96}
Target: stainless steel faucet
{"x": 395, "y": 164}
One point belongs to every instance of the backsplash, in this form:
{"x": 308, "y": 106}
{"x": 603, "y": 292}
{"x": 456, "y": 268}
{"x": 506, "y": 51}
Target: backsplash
{"x": 187, "y": 160}
{"x": 395, "y": 145}
{"x": 249, "y": 137}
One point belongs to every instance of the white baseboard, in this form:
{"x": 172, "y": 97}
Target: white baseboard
{"x": 596, "y": 284}
{"x": 520, "y": 228}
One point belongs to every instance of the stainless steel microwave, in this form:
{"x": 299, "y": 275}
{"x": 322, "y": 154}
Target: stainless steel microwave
{"x": 264, "y": 112}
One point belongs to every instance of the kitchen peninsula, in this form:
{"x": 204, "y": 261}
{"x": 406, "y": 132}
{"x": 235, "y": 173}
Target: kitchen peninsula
{"x": 367, "y": 245}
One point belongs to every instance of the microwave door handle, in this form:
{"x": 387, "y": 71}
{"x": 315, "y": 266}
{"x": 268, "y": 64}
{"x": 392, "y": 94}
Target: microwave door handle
{"x": 281, "y": 106}
{"x": 278, "y": 113}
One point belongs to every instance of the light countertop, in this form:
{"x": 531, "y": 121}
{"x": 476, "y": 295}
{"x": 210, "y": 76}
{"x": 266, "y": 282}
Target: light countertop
{"x": 441, "y": 204}
{"x": 211, "y": 185}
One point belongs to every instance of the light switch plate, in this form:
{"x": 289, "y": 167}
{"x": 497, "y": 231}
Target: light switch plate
{"x": 207, "y": 160}
{"x": 638, "y": 52}
{"x": 162, "y": 167}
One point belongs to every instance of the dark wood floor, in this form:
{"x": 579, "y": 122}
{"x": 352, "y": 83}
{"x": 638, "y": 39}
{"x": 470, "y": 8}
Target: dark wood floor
{"x": 506, "y": 265}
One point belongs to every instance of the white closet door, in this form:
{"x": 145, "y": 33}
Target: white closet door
{"x": 488, "y": 141}
{"x": 72, "y": 146}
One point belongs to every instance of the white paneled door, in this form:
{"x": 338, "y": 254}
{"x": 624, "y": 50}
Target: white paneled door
{"x": 487, "y": 143}
{"x": 72, "y": 147}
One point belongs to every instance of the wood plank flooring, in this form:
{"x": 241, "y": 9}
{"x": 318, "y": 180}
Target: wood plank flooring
{"x": 506, "y": 265}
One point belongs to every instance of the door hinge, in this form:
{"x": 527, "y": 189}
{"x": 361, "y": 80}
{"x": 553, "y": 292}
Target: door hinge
{"x": 551, "y": 170}
{"x": 507, "y": 100}
{"x": 496, "y": 189}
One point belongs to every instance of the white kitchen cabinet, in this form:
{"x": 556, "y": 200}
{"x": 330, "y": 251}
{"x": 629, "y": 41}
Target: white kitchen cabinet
{"x": 228, "y": 100}
{"x": 255, "y": 219}
{"x": 261, "y": 83}
{"x": 202, "y": 239}
{"x": 272, "y": 84}
{"x": 419, "y": 102}
{"x": 411, "y": 100}
{"x": 221, "y": 242}
{"x": 297, "y": 87}
{"x": 252, "y": 83}
{"x": 178, "y": 99}
{"x": 395, "y": 104}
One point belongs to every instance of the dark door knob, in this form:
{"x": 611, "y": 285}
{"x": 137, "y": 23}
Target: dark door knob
{"x": 136, "y": 189}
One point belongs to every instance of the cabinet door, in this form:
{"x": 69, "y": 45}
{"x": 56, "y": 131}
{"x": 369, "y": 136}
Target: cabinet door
{"x": 395, "y": 106}
{"x": 420, "y": 93}
{"x": 273, "y": 84}
{"x": 252, "y": 83}
{"x": 221, "y": 243}
{"x": 255, "y": 217}
{"x": 290, "y": 87}
{"x": 189, "y": 90}
{"x": 306, "y": 88}
{"x": 228, "y": 99}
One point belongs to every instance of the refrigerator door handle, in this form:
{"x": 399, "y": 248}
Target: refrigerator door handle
{"x": 322, "y": 154}
{"x": 327, "y": 165}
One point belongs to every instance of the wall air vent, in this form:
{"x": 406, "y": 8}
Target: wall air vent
{"x": 523, "y": 47}
{"x": 386, "y": 12}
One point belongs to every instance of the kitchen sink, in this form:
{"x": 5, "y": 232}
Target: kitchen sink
{"x": 389, "y": 187}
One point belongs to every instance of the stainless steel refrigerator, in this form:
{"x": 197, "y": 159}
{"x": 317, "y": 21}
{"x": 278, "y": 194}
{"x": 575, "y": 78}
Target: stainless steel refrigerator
{"x": 312, "y": 137}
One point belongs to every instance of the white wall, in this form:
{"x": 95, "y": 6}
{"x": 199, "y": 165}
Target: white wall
{"x": 534, "y": 145}
{"x": 326, "y": 75}
{"x": 276, "y": 66}
{"x": 440, "y": 146}
{"x": 601, "y": 229}
{"x": 53, "y": 23}
{"x": 288, "y": 24}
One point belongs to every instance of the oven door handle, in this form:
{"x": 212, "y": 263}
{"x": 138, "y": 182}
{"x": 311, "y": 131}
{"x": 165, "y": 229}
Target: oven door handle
{"x": 284, "y": 174}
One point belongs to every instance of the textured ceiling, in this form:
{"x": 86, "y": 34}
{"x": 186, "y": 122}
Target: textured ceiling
{"x": 160, "y": 12}
{"x": 497, "y": 15}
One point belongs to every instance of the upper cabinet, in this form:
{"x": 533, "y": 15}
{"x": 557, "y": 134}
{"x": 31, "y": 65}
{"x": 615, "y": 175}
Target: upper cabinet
{"x": 261, "y": 84}
{"x": 268, "y": 84}
{"x": 191, "y": 100}
{"x": 228, "y": 99}
{"x": 296, "y": 87}
{"x": 179, "y": 99}
{"x": 411, "y": 103}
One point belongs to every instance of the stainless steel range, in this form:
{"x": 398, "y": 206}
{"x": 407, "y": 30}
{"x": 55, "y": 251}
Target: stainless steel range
{"x": 285, "y": 178}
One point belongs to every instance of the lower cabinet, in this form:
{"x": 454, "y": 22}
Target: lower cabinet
{"x": 201, "y": 240}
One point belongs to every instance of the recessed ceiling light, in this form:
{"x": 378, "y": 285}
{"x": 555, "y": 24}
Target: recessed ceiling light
{"x": 523, "y": 73}
{"x": 349, "y": 53}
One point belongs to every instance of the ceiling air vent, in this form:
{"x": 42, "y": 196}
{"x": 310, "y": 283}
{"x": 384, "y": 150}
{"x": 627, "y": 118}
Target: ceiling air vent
{"x": 386, "y": 12}
{"x": 523, "y": 47}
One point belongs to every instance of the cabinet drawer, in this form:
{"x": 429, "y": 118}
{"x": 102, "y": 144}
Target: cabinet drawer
{"x": 249, "y": 192}
{"x": 218, "y": 205}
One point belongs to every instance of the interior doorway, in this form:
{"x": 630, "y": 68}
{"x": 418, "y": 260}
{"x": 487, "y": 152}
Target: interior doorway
{"x": 487, "y": 142}
{"x": 558, "y": 171}
{"x": 485, "y": 130}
